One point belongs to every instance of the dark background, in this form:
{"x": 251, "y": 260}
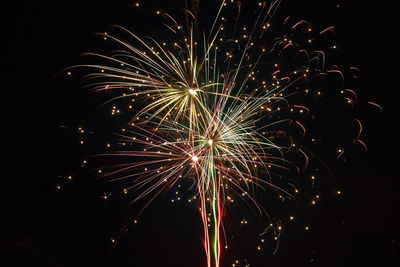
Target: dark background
{"x": 73, "y": 226}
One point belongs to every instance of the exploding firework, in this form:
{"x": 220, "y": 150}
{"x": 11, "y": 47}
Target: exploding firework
{"x": 224, "y": 107}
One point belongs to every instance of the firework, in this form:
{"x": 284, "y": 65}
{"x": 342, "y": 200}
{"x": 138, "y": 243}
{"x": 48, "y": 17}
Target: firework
{"x": 215, "y": 107}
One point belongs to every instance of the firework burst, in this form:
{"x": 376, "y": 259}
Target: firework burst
{"x": 213, "y": 107}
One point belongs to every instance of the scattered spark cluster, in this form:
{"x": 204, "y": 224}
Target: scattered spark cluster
{"x": 231, "y": 109}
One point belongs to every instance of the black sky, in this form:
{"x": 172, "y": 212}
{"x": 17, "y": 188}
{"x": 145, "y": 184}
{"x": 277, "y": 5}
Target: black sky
{"x": 47, "y": 227}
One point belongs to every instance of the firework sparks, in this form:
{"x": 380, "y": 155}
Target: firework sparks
{"x": 215, "y": 108}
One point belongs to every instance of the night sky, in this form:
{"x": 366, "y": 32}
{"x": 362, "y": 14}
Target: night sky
{"x": 74, "y": 226}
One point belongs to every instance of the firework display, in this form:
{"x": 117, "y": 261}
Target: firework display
{"x": 232, "y": 108}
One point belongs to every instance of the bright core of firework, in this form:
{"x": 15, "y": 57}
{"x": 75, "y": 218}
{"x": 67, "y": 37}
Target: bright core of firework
{"x": 192, "y": 91}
